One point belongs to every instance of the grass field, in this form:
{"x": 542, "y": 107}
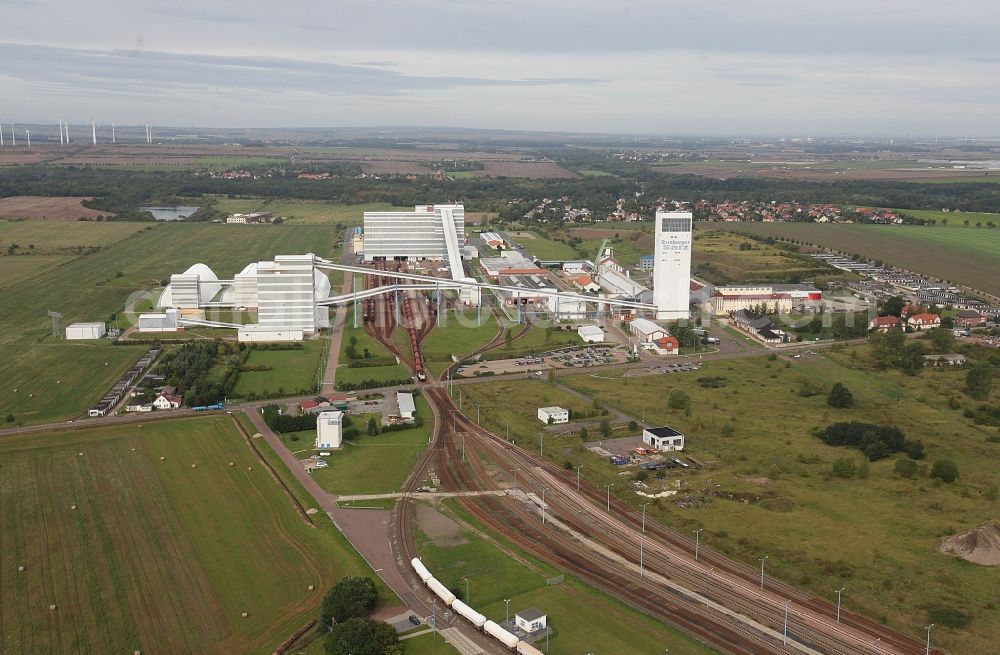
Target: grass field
{"x": 546, "y": 249}
{"x": 14, "y": 269}
{"x": 144, "y": 562}
{"x": 537, "y": 339}
{"x": 965, "y": 255}
{"x": 387, "y": 371}
{"x": 718, "y": 259}
{"x": 458, "y": 335}
{"x": 293, "y": 371}
{"x": 379, "y": 464}
{"x": 88, "y": 288}
{"x": 584, "y": 620}
{"x": 306, "y": 212}
{"x": 65, "y": 236}
{"x": 809, "y": 523}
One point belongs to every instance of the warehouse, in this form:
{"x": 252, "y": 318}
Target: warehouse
{"x": 591, "y": 333}
{"x": 85, "y": 330}
{"x": 407, "y": 409}
{"x": 646, "y": 330}
{"x": 552, "y": 415}
{"x": 428, "y": 232}
{"x": 263, "y": 334}
{"x": 168, "y": 321}
{"x": 492, "y": 239}
{"x": 664, "y": 438}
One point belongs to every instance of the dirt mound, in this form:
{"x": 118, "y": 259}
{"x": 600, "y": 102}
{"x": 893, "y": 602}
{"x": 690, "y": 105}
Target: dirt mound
{"x": 979, "y": 546}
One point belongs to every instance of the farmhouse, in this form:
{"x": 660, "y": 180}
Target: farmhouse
{"x": 664, "y": 438}
{"x": 884, "y": 323}
{"x": 166, "y": 401}
{"x": 923, "y": 321}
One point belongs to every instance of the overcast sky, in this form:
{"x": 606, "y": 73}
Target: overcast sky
{"x": 785, "y": 67}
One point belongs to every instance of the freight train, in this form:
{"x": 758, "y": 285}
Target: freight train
{"x": 491, "y": 628}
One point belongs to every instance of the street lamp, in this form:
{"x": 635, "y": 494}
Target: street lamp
{"x": 644, "y": 517}
{"x": 697, "y": 541}
{"x": 785, "y": 638}
{"x": 609, "y": 496}
{"x": 928, "y": 629}
{"x": 507, "y": 600}
{"x": 762, "y": 572}
{"x": 477, "y": 413}
{"x": 578, "y": 476}
{"x": 467, "y": 601}
{"x": 541, "y": 449}
{"x": 839, "y": 592}
{"x": 507, "y": 422}
{"x": 875, "y": 645}
{"x": 543, "y": 505}
{"x": 514, "y": 471}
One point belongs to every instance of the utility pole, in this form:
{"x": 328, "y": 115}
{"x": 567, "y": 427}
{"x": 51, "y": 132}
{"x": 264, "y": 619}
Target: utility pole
{"x": 644, "y": 517}
{"x": 785, "y": 637}
{"x": 543, "y": 505}
{"x": 609, "y": 496}
{"x": 928, "y": 629}
{"x": 641, "y": 568}
{"x": 507, "y": 600}
{"x": 697, "y": 540}
{"x": 839, "y": 592}
{"x": 541, "y": 449}
{"x": 578, "y": 477}
{"x": 477, "y": 413}
{"x": 762, "y": 572}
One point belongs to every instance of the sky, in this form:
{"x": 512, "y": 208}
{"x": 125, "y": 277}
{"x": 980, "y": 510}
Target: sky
{"x": 721, "y": 67}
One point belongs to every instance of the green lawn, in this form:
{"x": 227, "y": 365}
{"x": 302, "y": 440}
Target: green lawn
{"x": 460, "y": 333}
{"x": 293, "y": 371}
{"x": 584, "y": 620}
{"x": 386, "y": 372}
{"x": 379, "y": 464}
{"x": 546, "y": 249}
{"x": 886, "y": 554}
{"x": 536, "y": 340}
{"x": 144, "y": 562}
{"x": 966, "y": 255}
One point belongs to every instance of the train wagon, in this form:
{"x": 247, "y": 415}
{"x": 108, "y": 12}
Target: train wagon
{"x": 442, "y": 592}
{"x": 524, "y": 648}
{"x": 474, "y": 617}
{"x": 421, "y": 570}
{"x": 494, "y": 630}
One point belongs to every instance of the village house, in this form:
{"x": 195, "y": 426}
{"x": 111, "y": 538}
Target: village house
{"x": 925, "y": 321}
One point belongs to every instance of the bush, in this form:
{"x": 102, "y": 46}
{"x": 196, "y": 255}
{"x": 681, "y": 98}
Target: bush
{"x": 840, "y": 396}
{"x": 678, "y": 399}
{"x": 945, "y": 470}
{"x": 633, "y": 426}
{"x": 358, "y": 636}
{"x": 350, "y": 597}
{"x": 906, "y": 467}
{"x": 844, "y": 467}
{"x": 949, "y": 617}
{"x": 875, "y": 441}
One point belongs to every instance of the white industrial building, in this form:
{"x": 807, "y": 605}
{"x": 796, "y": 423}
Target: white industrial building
{"x": 551, "y": 415}
{"x": 86, "y": 330}
{"x": 619, "y": 285}
{"x": 591, "y": 333}
{"x": 329, "y": 430}
{"x": 672, "y": 266}
{"x": 428, "y": 232}
{"x": 492, "y": 239}
{"x": 191, "y": 289}
{"x": 168, "y": 321}
{"x": 647, "y": 331}
{"x": 530, "y": 620}
{"x": 287, "y": 289}
{"x": 407, "y": 408}
{"x": 664, "y": 438}
{"x": 566, "y": 308}
{"x": 264, "y": 334}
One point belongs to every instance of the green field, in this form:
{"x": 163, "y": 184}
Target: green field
{"x": 546, "y": 249}
{"x": 305, "y": 212}
{"x": 89, "y": 288}
{"x": 717, "y": 258}
{"x": 293, "y": 371}
{"x": 458, "y": 335}
{"x": 61, "y": 237}
{"x": 386, "y": 369}
{"x": 536, "y": 340}
{"x": 811, "y": 524}
{"x": 965, "y": 255}
{"x": 146, "y": 560}
{"x": 584, "y": 620}
{"x": 14, "y": 269}
{"x": 379, "y": 464}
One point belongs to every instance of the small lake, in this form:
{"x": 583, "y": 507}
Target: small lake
{"x": 171, "y": 213}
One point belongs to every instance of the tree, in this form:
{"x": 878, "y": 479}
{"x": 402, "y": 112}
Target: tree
{"x": 979, "y": 381}
{"x": 10, "y": 418}
{"x": 893, "y": 306}
{"x": 840, "y": 396}
{"x": 350, "y": 597}
{"x": 583, "y": 432}
{"x": 942, "y": 341}
{"x": 945, "y": 470}
{"x": 887, "y": 347}
{"x": 605, "y": 428}
{"x": 911, "y": 359}
{"x": 357, "y": 636}
{"x": 372, "y": 426}
{"x": 905, "y": 467}
{"x": 633, "y": 426}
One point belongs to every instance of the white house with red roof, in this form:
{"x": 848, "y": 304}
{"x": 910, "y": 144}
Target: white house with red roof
{"x": 667, "y": 346}
{"x": 923, "y": 321}
{"x": 167, "y": 401}
{"x": 884, "y": 323}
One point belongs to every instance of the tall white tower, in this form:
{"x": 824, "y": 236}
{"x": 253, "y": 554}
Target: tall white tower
{"x": 672, "y": 265}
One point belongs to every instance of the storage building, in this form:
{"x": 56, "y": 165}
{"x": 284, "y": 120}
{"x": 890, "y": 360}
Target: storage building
{"x": 329, "y": 430}
{"x": 265, "y": 334}
{"x": 530, "y": 620}
{"x": 85, "y": 330}
{"x": 591, "y": 333}
{"x": 549, "y": 415}
{"x": 647, "y": 331}
{"x": 407, "y": 409}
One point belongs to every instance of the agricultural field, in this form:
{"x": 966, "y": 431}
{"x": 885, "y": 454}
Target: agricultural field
{"x": 305, "y": 212}
{"x": 454, "y": 548}
{"x": 829, "y": 170}
{"x": 963, "y": 255}
{"x": 376, "y": 464}
{"x": 47, "y": 208}
{"x": 13, "y": 269}
{"x": 806, "y": 519}
{"x": 97, "y": 285}
{"x": 292, "y": 371}
{"x": 131, "y": 555}
{"x": 69, "y": 237}
{"x": 718, "y": 257}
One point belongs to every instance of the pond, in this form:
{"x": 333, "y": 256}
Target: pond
{"x": 171, "y": 213}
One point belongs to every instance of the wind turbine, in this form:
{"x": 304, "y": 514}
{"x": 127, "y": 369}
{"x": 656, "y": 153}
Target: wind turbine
{"x": 93, "y": 132}
{"x": 27, "y": 135}
{"x": 1, "y": 135}
{"x": 66, "y": 126}
{"x": 113, "y": 140}
{"x": 61, "y": 141}
{"x": 13, "y": 137}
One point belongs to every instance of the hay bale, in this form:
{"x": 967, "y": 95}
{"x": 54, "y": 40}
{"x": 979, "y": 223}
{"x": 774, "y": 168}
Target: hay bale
{"x": 232, "y": 463}
{"x": 244, "y": 615}
{"x": 311, "y": 587}
{"x": 72, "y": 506}
{"x": 20, "y": 568}
{"x": 194, "y": 466}
{"x": 249, "y": 468}
{"x": 162, "y": 458}
{"x": 52, "y": 607}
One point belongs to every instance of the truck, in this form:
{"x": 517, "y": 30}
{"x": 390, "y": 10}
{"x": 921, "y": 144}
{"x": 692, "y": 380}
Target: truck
{"x": 199, "y": 408}
{"x": 215, "y": 406}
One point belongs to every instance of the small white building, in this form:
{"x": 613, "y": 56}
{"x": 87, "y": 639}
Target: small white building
{"x": 591, "y": 333}
{"x": 551, "y": 415}
{"x": 530, "y": 620}
{"x": 265, "y": 333}
{"x": 168, "y": 321}
{"x": 647, "y": 331}
{"x": 407, "y": 408}
{"x": 329, "y": 430}
{"x": 663, "y": 438}
{"x": 567, "y": 308}
{"x": 86, "y": 330}
{"x": 166, "y": 401}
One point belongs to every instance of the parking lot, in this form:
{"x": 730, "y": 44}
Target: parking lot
{"x": 660, "y": 369}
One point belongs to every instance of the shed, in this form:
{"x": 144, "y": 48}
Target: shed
{"x": 664, "y": 438}
{"x": 530, "y": 620}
